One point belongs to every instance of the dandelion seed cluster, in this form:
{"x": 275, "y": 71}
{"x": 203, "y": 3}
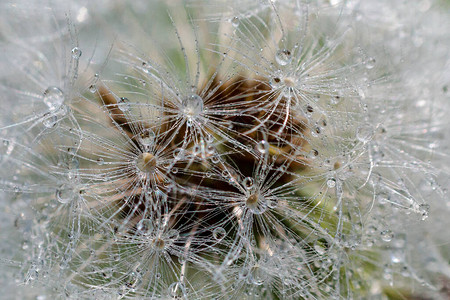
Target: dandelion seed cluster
{"x": 224, "y": 150}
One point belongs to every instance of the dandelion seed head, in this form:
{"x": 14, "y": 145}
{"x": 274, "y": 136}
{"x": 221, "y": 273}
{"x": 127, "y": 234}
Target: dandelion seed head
{"x": 231, "y": 150}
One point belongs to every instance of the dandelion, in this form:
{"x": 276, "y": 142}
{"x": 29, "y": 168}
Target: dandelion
{"x": 224, "y": 150}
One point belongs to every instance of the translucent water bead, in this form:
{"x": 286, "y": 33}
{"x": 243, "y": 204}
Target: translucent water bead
{"x": 219, "y": 233}
{"x": 53, "y": 98}
{"x": 192, "y": 105}
{"x": 283, "y": 57}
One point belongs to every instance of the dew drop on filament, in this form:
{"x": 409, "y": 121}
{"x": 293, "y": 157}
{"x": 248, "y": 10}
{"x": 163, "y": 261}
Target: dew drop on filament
{"x": 53, "y": 98}
{"x": 331, "y": 183}
{"x": 192, "y": 105}
{"x": 283, "y": 57}
{"x": 364, "y": 133}
{"x": 50, "y": 121}
{"x": 262, "y": 146}
{"x": 235, "y": 21}
{"x": 177, "y": 290}
{"x": 76, "y": 53}
{"x": 387, "y": 235}
{"x": 124, "y": 104}
{"x": 64, "y": 194}
{"x": 219, "y": 233}
{"x": 370, "y": 63}
{"x": 248, "y": 182}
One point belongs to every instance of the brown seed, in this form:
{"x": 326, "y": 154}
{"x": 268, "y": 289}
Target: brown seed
{"x": 252, "y": 200}
{"x": 146, "y": 162}
{"x": 159, "y": 244}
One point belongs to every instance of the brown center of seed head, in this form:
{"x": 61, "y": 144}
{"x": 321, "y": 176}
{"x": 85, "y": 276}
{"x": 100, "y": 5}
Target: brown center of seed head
{"x": 146, "y": 162}
{"x": 252, "y": 200}
{"x": 289, "y": 82}
{"x": 159, "y": 244}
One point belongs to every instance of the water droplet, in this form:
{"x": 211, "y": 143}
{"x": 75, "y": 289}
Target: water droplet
{"x": 235, "y": 21}
{"x": 219, "y": 233}
{"x": 331, "y": 183}
{"x": 210, "y": 149}
{"x": 178, "y": 153}
{"x": 145, "y": 67}
{"x": 424, "y": 209}
{"x": 272, "y": 202}
{"x": 283, "y": 57}
{"x": 92, "y": 88}
{"x": 177, "y": 290}
{"x": 244, "y": 273}
{"x": 275, "y": 82}
{"x": 196, "y": 150}
{"x": 182, "y": 259}
{"x": 258, "y": 276}
{"x": 370, "y": 63}
{"x": 248, "y": 182}
{"x": 144, "y": 227}
{"x": 100, "y": 161}
{"x": 53, "y": 98}
{"x": 215, "y": 159}
{"x": 209, "y": 138}
{"x": 50, "y": 121}
{"x": 76, "y": 53}
{"x": 319, "y": 249}
{"x": 192, "y": 105}
{"x": 262, "y": 146}
{"x": 387, "y": 274}
{"x": 386, "y": 235}
{"x": 124, "y": 104}
{"x": 397, "y": 255}
{"x": 64, "y": 194}
{"x": 173, "y": 234}
{"x": 364, "y": 133}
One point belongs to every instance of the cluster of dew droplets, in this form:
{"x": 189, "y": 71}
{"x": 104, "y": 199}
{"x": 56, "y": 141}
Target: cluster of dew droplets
{"x": 253, "y": 201}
